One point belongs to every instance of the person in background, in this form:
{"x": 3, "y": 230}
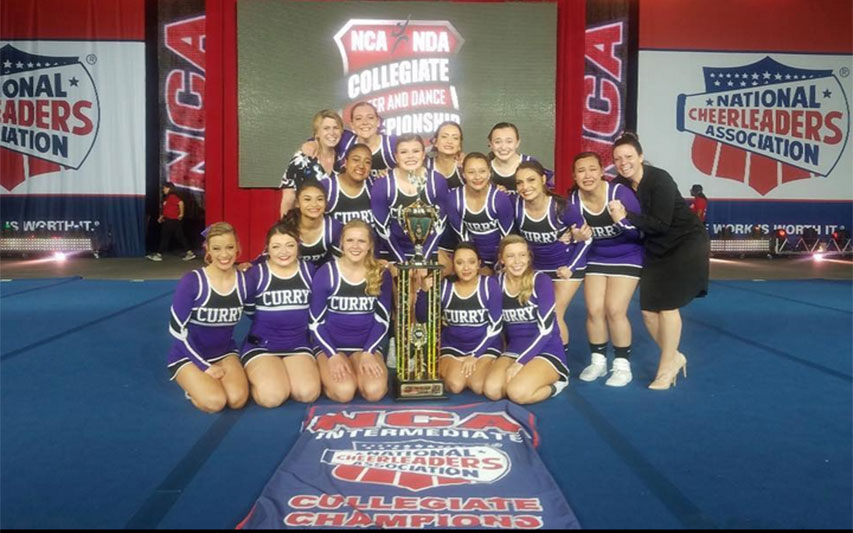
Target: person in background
{"x": 699, "y": 205}
{"x": 171, "y": 223}
{"x": 676, "y": 253}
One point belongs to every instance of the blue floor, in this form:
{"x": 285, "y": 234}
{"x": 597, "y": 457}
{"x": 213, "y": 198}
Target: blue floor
{"x": 93, "y": 435}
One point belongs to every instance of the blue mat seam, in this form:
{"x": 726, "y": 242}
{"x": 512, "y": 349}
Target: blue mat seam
{"x": 13, "y": 353}
{"x": 164, "y": 497}
{"x": 690, "y": 515}
{"x": 794, "y": 300}
{"x": 61, "y": 282}
{"x": 770, "y": 349}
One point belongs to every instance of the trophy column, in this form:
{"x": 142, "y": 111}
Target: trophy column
{"x": 418, "y": 343}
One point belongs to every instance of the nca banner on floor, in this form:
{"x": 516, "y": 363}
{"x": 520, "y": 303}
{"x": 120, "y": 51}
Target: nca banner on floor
{"x": 72, "y": 121}
{"x": 471, "y": 466}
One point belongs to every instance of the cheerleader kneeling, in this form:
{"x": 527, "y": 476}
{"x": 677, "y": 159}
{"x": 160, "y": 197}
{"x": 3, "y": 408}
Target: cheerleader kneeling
{"x": 533, "y": 365}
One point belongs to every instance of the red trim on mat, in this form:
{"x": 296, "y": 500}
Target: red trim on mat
{"x": 532, "y": 421}
{"x": 248, "y": 516}
{"x": 122, "y": 20}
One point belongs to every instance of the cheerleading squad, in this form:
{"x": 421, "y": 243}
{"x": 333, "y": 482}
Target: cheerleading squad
{"x": 513, "y": 253}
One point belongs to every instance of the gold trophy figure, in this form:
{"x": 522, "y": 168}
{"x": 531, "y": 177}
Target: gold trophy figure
{"x": 417, "y": 344}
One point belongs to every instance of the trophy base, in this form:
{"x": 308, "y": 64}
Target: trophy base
{"x": 419, "y": 390}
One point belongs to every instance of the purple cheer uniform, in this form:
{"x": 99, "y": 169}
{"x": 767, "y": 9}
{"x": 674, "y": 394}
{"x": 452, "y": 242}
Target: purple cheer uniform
{"x": 530, "y": 329}
{"x": 388, "y": 201}
{"x": 343, "y": 207}
{"x": 381, "y": 159}
{"x": 508, "y": 181}
{"x": 203, "y": 320}
{"x": 343, "y": 317}
{"x": 279, "y": 310}
{"x": 470, "y": 325}
{"x": 543, "y": 236}
{"x": 616, "y": 248}
{"x": 454, "y": 180}
{"x": 325, "y": 246}
{"x": 484, "y": 228}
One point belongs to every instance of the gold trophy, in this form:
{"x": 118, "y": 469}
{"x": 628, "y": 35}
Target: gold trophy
{"x": 417, "y": 344}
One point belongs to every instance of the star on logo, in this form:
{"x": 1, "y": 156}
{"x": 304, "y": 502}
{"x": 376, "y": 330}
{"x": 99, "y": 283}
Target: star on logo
{"x": 74, "y": 81}
{"x": 7, "y": 64}
{"x": 766, "y": 75}
{"x": 778, "y": 76}
{"x": 827, "y": 93}
{"x": 709, "y": 102}
{"x": 730, "y": 84}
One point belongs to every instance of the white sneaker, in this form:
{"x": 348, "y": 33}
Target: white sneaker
{"x": 391, "y": 357}
{"x": 558, "y": 386}
{"x": 620, "y": 373}
{"x": 596, "y": 369}
{"x": 154, "y": 257}
{"x": 189, "y": 256}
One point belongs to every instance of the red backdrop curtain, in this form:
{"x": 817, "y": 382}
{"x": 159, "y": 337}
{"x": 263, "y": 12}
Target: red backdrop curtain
{"x": 253, "y": 211}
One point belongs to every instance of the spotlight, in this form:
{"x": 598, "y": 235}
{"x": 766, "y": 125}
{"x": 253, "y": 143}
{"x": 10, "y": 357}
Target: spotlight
{"x": 818, "y": 257}
{"x": 779, "y": 241}
{"x": 59, "y": 257}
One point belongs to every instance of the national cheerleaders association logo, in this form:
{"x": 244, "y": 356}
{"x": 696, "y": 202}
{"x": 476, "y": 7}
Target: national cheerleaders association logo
{"x": 49, "y": 112}
{"x": 418, "y": 465}
{"x": 794, "y": 116}
{"x": 404, "y": 69}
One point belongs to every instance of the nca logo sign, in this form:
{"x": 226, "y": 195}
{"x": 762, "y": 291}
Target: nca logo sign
{"x": 766, "y": 124}
{"x": 50, "y": 112}
{"x": 418, "y": 464}
{"x": 403, "y": 68}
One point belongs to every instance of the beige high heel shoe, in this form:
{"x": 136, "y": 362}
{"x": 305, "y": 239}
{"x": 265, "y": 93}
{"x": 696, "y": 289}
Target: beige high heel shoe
{"x": 665, "y": 380}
